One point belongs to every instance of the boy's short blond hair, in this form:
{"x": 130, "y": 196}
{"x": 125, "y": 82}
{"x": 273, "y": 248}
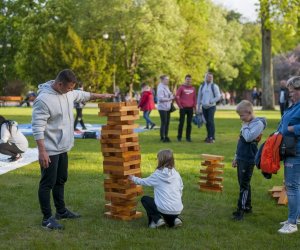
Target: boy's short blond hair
{"x": 244, "y": 106}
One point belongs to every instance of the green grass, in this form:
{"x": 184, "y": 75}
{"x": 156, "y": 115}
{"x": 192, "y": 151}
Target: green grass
{"x": 207, "y": 216}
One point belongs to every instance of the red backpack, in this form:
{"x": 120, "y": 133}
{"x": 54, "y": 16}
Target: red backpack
{"x": 270, "y": 157}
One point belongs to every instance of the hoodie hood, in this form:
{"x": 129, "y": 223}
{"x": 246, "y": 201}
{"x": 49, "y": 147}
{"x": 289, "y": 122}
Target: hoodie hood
{"x": 262, "y": 119}
{"x": 47, "y": 88}
{"x": 166, "y": 174}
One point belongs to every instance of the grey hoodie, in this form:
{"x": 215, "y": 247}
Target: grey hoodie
{"x": 168, "y": 188}
{"x": 52, "y": 117}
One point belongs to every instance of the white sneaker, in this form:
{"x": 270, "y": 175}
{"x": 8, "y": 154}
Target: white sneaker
{"x": 288, "y": 229}
{"x": 152, "y": 224}
{"x": 177, "y": 222}
{"x": 286, "y": 221}
{"x": 160, "y": 223}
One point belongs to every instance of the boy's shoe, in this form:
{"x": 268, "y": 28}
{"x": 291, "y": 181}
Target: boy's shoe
{"x": 51, "y": 224}
{"x": 188, "y": 139}
{"x": 248, "y": 210}
{"x": 288, "y": 228}
{"x": 15, "y": 158}
{"x": 152, "y": 126}
{"x": 160, "y": 223}
{"x": 67, "y": 215}
{"x": 177, "y": 222}
{"x": 146, "y": 127}
{"x": 178, "y": 139}
{"x": 152, "y": 224}
{"x": 167, "y": 139}
{"x": 286, "y": 222}
{"x": 238, "y": 215}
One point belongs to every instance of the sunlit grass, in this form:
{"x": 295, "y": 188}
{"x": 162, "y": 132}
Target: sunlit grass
{"x": 207, "y": 216}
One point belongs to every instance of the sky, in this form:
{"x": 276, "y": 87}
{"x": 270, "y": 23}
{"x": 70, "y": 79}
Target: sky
{"x": 245, "y": 7}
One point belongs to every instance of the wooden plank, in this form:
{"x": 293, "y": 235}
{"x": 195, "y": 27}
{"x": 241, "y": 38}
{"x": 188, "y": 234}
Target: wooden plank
{"x": 110, "y": 104}
{"x": 215, "y": 178}
{"x": 123, "y": 217}
{"x": 211, "y": 172}
{"x": 121, "y": 163}
{"x": 283, "y": 199}
{"x": 212, "y": 157}
{"x": 124, "y": 172}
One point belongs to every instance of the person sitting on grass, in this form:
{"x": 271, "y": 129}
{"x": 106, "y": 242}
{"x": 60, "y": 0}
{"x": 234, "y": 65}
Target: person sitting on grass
{"x": 250, "y": 136}
{"x": 12, "y": 141}
{"x": 166, "y": 205}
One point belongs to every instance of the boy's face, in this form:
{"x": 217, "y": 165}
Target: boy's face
{"x": 246, "y": 116}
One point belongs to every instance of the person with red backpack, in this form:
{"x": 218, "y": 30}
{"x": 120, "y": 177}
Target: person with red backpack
{"x": 250, "y": 135}
{"x": 290, "y": 127}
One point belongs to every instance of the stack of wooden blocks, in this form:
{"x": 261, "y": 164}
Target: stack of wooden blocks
{"x": 209, "y": 178}
{"x": 279, "y": 193}
{"x": 121, "y": 158}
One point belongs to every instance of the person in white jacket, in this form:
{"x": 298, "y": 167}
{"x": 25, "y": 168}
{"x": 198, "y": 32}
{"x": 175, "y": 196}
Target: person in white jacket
{"x": 53, "y": 130}
{"x": 167, "y": 204}
{"x": 12, "y": 142}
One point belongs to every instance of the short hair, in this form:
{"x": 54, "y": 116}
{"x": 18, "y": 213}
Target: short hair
{"x": 188, "y": 76}
{"x": 143, "y": 85}
{"x": 66, "y": 76}
{"x": 294, "y": 82}
{"x": 2, "y": 120}
{"x": 165, "y": 159}
{"x": 162, "y": 77}
{"x": 243, "y": 106}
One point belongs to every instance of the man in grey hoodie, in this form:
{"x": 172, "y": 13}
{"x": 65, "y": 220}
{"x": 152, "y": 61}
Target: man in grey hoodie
{"x": 52, "y": 126}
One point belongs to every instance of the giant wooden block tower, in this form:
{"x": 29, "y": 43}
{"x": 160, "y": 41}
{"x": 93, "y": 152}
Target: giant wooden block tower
{"x": 121, "y": 157}
{"x": 210, "y": 179}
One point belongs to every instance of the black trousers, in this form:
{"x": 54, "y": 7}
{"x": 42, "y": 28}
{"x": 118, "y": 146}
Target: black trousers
{"x": 79, "y": 118}
{"x": 10, "y": 149}
{"x": 244, "y": 173}
{"x": 188, "y": 112}
{"x": 164, "y": 123}
{"x": 282, "y": 108}
{"x": 153, "y": 214}
{"x": 53, "y": 178}
{"x": 209, "y": 115}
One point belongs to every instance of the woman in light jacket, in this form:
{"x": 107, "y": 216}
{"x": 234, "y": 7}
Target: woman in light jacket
{"x": 164, "y": 101}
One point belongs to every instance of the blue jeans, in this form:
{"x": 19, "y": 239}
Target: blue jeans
{"x": 292, "y": 184}
{"x": 209, "y": 115}
{"x": 146, "y": 116}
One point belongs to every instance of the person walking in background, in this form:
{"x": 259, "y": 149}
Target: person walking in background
{"x": 12, "y": 142}
{"x": 30, "y": 97}
{"x": 79, "y": 106}
{"x": 254, "y": 96}
{"x": 186, "y": 101}
{"x": 146, "y": 104}
{"x": 52, "y": 127}
{"x": 208, "y": 95}
{"x": 164, "y": 101}
{"x": 283, "y": 97}
{"x": 259, "y": 97}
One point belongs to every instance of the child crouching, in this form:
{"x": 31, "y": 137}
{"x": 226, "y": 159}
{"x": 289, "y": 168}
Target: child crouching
{"x": 166, "y": 205}
{"x": 250, "y": 136}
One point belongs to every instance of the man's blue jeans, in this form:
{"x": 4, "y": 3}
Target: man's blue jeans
{"x": 292, "y": 184}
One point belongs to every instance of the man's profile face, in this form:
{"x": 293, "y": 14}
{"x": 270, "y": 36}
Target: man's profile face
{"x": 65, "y": 88}
{"x": 165, "y": 81}
{"x": 209, "y": 78}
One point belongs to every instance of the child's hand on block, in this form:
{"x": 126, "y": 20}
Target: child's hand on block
{"x": 130, "y": 177}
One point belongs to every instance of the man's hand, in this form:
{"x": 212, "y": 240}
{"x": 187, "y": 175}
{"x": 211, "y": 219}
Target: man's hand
{"x": 44, "y": 159}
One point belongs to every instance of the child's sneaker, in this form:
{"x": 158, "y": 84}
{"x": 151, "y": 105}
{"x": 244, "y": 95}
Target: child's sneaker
{"x": 288, "y": 228}
{"x": 238, "y": 215}
{"x": 52, "y": 224}
{"x": 67, "y": 215}
{"x": 286, "y": 221}
{"x": 152, "y": 224}
{"x": 160, "y": 223}
{"x": 177, "y": 222}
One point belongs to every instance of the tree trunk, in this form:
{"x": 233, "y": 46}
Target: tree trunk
{"x": 268, "y": 102}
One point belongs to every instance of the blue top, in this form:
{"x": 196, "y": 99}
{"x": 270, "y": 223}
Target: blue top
{"x": 291, "y": 117}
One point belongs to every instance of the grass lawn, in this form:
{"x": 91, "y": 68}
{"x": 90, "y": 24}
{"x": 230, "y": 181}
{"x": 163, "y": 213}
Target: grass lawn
{"x": 207, "y": 216}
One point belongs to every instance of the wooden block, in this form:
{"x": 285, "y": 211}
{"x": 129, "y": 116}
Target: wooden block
{"x": 283, "y": 200}
{"x": 110, "y": 104}
{"x": 123, "y": 217}
{"x": 121, "y": 163}
{"x": 276, "y": 194}
{"x": 212, "y": 157}
{"x": 276, "y": 189}
{"x": 110, "y": 195}
{"x": 123, "y": 172}
{"x": 211, "y": 172}
{"x": 124, "y": 118}
{"x": 212, "y": 185}
{"x": 109, "y": 168}
{"x": 211, "y": 189}
{"x": 214, "y": 178}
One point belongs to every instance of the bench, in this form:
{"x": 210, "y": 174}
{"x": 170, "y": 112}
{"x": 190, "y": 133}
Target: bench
{"x": 6, "y": 99}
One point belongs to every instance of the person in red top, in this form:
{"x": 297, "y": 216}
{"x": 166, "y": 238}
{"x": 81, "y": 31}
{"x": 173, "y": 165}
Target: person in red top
{"x": 186, "y": 101}
{"x": 146, "y": 104}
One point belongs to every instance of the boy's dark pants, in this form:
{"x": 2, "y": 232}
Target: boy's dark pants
{"x": 153, "y": 214}
{"x": 189, "y": 116}
{"x": 244, "y": 172}
{"x": 53, "y": 178}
